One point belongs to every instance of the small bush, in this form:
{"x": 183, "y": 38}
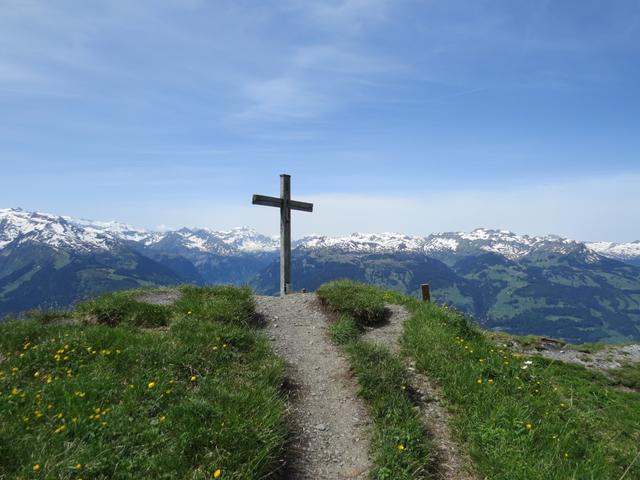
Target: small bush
{"x": 364, "y": 302}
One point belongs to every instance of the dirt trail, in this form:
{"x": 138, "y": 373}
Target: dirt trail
{"x": 451, "y": 462}
{"x": 330, "y": 425}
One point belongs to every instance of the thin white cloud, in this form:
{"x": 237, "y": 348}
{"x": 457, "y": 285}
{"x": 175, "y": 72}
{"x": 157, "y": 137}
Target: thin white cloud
{"x": 588, "y": 209}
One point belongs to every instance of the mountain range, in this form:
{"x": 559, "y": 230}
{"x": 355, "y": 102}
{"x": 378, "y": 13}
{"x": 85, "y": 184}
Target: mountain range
{"x": 544, "y": 285}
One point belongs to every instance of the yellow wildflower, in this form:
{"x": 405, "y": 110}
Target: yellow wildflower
{"x": 217, "y": 473}
{"x": 36, "y": 467}
{"x": 401, "y": 447}
{"x": 193, "y": 378}
{"x": 529, "y": 426}
{"x": 151, "y": 384}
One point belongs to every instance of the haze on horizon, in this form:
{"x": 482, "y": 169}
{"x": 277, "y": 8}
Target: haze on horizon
{"x": 401, "y": 115}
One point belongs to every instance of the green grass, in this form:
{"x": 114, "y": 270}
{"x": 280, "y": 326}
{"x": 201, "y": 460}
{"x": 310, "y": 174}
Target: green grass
{"x": 117, "y": 402}
{"x": 627, "y": 375}
{"x": 361, "y": 301}
{"x": 121, "y": 308}
{"x": 400, "y": 449}
{"x": 344, "y": 330}
{"x": 524, "y": 418}
{"x": 218, "y": 304}
{"x": 47, "y": 316}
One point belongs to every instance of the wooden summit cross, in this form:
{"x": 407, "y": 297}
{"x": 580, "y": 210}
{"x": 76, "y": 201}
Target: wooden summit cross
{"x": 285, "y": 204}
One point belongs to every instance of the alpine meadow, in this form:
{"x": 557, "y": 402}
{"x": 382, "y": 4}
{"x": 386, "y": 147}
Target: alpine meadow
{"x": 445, "y": 284}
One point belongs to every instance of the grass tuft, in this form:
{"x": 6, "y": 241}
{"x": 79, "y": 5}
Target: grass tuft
{"x": 120, "y": 308}
{"x": 218, "y": 304}
{"x": 344, "y": 330}
{"x": 363, "y": 302}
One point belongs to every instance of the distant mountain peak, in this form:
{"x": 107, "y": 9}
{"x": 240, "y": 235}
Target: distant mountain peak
{"x": 61, "y": 232}
{"x": 20, "y": 226}
{"x": 618, "y": 251}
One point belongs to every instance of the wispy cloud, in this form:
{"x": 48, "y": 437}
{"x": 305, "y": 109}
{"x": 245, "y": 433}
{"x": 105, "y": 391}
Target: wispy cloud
{"x": 585, "y": 209}
{"x": 348, "y": 95}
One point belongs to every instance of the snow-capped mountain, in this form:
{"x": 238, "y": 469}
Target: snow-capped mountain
{"x": 67, "y": 233}
{"x": 118, "y": 230}
{"x": 502, "y": 242}
{"x": 18, "y": 226}
{"x": 625, "y": 252}
{"x": 365, "y": 243}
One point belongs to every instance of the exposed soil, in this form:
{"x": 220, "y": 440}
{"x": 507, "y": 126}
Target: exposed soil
{"x": 330, "y": 426}
{"x": 452, "y": 463}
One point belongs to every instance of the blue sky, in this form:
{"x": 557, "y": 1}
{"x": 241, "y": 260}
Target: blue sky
{"x": 391, "y": 115}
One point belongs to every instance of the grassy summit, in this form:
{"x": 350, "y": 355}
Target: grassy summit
{"x": 520, "y": 417}
{"x": 114, "y": 396}
{"x": 178, "y": 384}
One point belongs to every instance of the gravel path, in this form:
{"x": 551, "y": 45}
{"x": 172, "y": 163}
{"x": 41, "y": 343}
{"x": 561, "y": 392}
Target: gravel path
{"x": 451, "y": 462}
{"x": 330, "y": 426}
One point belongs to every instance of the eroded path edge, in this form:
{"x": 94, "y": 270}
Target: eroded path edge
{"x": 452, "y": 462}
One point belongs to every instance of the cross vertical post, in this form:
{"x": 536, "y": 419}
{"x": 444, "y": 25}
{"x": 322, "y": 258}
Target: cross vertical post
{"x": 285, "y": 204}
{"x": 285, "y": 235}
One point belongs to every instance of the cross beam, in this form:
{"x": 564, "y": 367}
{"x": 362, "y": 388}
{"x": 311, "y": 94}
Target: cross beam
{"x": 285, "y": 204}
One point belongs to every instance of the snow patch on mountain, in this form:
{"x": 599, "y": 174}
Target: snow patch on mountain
{"x": 619, "y": 251}
{"x": 246, "y": 239}
{"x": 502, "y": 242}
{"x": 365, "y": 242}
{"x": 18, "y": 226}
{"x": 111, "y": 228}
